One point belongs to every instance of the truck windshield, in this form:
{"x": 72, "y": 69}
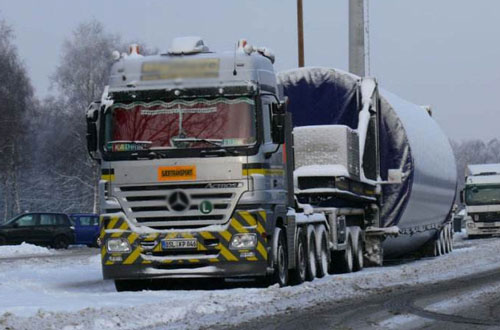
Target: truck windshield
{"x": 180, "y": 124}
{"x": 482, "y": 194}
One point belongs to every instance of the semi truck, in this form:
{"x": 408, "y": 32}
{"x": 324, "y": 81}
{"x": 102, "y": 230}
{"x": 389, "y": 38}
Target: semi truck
{"x": 481, "y": 197}
{"x": 214, "y": 166}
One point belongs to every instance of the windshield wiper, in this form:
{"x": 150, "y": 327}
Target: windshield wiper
{"x": 214, "y": 142}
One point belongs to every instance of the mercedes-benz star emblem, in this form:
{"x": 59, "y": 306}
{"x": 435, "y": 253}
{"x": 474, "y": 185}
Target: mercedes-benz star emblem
{"x": 178, "y": 201}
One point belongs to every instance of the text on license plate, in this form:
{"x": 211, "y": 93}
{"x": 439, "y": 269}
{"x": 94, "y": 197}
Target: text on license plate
{"x": 179, "y": 244}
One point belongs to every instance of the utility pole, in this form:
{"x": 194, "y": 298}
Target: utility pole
{"x": 300, "y": 31}
{"x": 356, "y": 37}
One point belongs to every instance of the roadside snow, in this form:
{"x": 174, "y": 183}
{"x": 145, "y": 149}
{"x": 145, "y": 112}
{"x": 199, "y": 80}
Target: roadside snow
{"x": 7, "y": 251}
{"x": 70, "y": 294}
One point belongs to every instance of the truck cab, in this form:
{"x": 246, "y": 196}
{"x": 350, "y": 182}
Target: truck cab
{"x": 481, "y": 197}
{"x": 190, "y": 145}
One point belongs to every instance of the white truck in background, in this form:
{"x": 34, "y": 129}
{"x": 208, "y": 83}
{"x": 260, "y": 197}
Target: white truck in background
{"x": 481, "y": 197}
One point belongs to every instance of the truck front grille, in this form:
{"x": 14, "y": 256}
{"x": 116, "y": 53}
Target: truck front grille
{"x": 148, "y": 204}
{"x": 488, "y": 217}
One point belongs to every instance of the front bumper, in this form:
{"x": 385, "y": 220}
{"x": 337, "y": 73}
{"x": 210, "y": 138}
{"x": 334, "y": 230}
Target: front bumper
{"x": 212, "y": 257}
{"x": 482, "y": 228}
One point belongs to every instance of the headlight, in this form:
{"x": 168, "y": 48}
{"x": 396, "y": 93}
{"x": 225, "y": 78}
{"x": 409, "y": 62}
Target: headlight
{"x": 471, "y": 225}
{"x": 117, "y": 245}
{"x": 243, "y": 241}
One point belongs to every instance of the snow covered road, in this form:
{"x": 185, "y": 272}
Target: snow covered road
{"x": 69, "y": 293}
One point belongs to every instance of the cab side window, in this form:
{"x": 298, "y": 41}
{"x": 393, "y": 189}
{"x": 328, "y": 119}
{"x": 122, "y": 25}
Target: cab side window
{"x": 266, "y": 118}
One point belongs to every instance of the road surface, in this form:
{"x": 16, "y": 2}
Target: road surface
{"x": 469, "y": 302}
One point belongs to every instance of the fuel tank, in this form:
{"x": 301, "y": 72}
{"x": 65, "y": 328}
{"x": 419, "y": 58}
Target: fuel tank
{"x": 409, "y": 139}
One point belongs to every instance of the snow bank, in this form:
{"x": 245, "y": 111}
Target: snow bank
{"x": 25, "y": 249}
{"x": 70, "y": 294}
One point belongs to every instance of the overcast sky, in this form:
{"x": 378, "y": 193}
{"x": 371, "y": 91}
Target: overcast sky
{"x": 443, "y": 53}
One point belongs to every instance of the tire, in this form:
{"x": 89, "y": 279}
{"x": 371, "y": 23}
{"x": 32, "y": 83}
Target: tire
{"x": 442, "y": 240}
{"x": 311, "y": 255}
{"x": 452, "y": 242}
{"x": 280, "y": 258}
{"x": 131, "y": 285}
{"x": 323, "y": 253}
{"x": 343, "y": 260}
{"x": 357, "y": 251}
{"x": 450, "y": 238}
{"x": 298, "y": 275}
{"x": 60, "y": 242}
{"x": 438, "y": 249}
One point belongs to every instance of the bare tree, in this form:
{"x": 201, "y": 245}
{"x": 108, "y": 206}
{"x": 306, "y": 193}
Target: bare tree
{"x": 80, "y": 79}
{"x": 16, "y": 98}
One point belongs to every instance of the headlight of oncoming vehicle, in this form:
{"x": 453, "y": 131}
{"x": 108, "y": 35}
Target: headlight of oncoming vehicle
{"x": 471, "y": 225}
{"x": 243, "y": 241}
{"x": 117, "y": 245}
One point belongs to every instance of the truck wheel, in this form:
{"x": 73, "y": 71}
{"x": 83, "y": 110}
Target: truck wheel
{"x": 438, "y": 247}
{"x": 280, "y": 258}
{"x": 60, "y": 242}
{"x": 343, "y": 260}
{"x": 311, "y": 254}
{"x": 131, "y": 285}
{"x": 357, "y": 252}
{"x": 450, "y": 238}
{"x": 452, "y": 243}
{"x": 442, "y": 239}
{"x": 323, "y": 251}
{"x": 298, "y": 275}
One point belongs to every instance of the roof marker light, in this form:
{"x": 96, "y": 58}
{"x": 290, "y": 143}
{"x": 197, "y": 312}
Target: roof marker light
{"x": 115, "y": 55}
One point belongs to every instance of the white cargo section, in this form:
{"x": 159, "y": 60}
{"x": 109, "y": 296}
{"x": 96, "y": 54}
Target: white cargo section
{"x": 327, "y": 150}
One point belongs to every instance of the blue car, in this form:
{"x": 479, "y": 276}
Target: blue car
{"x": 86, "y": 228}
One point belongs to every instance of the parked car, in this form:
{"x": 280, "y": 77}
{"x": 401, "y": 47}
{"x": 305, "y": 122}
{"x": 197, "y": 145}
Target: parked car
{"x": 86, "y": 228}
{"x": 41, "y": 228}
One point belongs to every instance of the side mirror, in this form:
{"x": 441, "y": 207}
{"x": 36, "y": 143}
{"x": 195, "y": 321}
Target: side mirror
{"x": 278, "y": 122}
{"x": 92, "y": 117}
{"x": 462, "y": 196}
{"x": 15, "y": 225}
{"x": 91, "y": 137}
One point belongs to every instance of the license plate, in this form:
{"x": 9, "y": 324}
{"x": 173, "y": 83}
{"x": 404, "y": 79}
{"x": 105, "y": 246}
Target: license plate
{"x": 179, "y": 244}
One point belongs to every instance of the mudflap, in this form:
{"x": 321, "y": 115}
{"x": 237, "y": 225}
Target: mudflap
{"x": 374, "y": 252}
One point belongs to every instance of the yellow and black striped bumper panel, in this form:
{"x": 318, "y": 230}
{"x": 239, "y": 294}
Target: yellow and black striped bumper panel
{"x": 213, "y": 246}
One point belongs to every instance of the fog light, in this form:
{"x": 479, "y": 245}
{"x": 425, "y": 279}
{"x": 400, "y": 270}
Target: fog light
{"x": 243, "y": 241}
{"x": 117, "y": 245}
